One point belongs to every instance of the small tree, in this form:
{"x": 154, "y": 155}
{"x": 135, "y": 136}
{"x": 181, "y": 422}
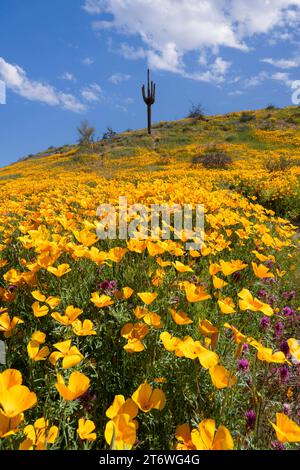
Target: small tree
{"x": 109, "y": 134}
{"x": 196, "y": 111}
{"x": 86, "y": 134}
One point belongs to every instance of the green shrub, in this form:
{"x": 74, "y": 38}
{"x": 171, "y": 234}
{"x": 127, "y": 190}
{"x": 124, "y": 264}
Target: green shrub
{"x": 213, "y": 158}
{"x": 271, "y": 107}
{"x": 278, "y": 164}
{"x": 246, "y": 117}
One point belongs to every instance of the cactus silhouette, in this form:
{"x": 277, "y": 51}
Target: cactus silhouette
{"x": 149, "y": 98}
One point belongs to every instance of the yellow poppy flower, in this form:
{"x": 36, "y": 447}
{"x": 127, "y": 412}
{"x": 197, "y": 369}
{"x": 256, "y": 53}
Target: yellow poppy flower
{"x": 85, "y": 328}
{"x": 148, "y": 398}
{"x": 226, "y": 305}
{"x": 71, "y": 314}
{"x": 210, "y": 331}
{"x": 15, "y": 400}
{"x": 261, "y": 271}
{"x": 195, "y": 293}
{"x": 294, "y": 347}
{"x": 33, "y": 348}
{"x": 9, "y": 378}
{"x": 248, "y": 302}
{"x": 9, "y": 426}
{"x": 7, "y": 325}
{"x": 182, "y": 268}
{"x": 39, "y": 310}
{"x": 60, "y": 271}
{"x": 101, "y": 301}
{"x": 120, "y": 432}
{"x": 180, "y": 318}
{"x": 134, "y": 333}
{"x": 205, "y": 437}
{"x": 230, "y": 267}
{"x": 219, "y": 283}
{"x": 39, "y": 435}
{"x": 70, "y": 355}
{"x": 170, "y": 342}
{"x": 86, "y": 429}
{"x": 286, "y": 429}
{"x": 221, "y": 377}
{"x": 116, "y": 254}
{"x": 147, "y": 297}
{"x": 53, "y": 302}
{"x": 77, "y": 386}
{"x": 267, "y": 355}
{"x": 184, "y": 438}
{"x": 122, "y": 406}
{"x": 85, "y": 237}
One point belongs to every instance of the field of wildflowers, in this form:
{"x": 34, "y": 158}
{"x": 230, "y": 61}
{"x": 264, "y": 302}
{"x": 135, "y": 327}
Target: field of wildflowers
{"x": 141, "y": 344}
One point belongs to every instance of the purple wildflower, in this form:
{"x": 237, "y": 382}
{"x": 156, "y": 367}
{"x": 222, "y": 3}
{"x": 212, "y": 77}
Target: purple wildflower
{"x": 278, "y": 329}
{"x": 262, "y": 293}
{"x": 278, "y": 445}
{"x": 284, "y": 347}
{"x": 250, "y": 417}
{"x": 284, "y": 374}
{"x": 289, "y": 295}
{"x": 243, "y": 364}
{"x": 287, "y": 311}
{"x": 287, "y": 409}
{"x": 265, "y": 322}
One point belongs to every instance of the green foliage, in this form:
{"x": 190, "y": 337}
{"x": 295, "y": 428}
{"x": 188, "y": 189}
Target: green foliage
{"x": 213, "y": 158}
{"x": 278, "y": 164}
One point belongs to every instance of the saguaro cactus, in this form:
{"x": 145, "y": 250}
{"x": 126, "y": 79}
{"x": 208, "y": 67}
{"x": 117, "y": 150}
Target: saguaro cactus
{"x": 149, "y": 98}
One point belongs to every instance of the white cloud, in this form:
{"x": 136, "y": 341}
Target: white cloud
{"x": 283, "y": 78}
{"x": 283, "y": 63}
{"x": 93, "y": 6}
{"x": 92, "y": 93}
{"x": 214, "y": 72}
{"x": 68, "y": 76}
{"x": 256, "y": 80}
{"x": 169, "y": 58}
{"x": 169, "y": 29}
{"x": 118, "y": 78}
{"x": 16, "y": 80}
{"x": 131, "y": 53}
{"x": 236, "y": 93}
{"x": 88, "y": 61}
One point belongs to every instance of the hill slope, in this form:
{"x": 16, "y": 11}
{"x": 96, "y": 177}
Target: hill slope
{"x": 254, "y": 140}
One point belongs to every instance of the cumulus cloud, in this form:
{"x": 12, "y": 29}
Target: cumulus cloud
{"x": 169, "y": 29}
{"x": 132, "y": 53}
{"x": 256, "y": 80}
{"x": 282, "y": 63}
{"x": 283, "y": 78}
{"x": 16, "y": 80}
{"x": 88, "y": 61}
{"x": 118, "y": 78}
{"x": 92, "y": 93}
{"x": 68, "y": 76}
{"x": 215, "y": 72}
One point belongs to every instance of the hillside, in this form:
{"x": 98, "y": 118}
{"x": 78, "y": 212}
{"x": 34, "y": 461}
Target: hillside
{"x": 254, "y": 140}
{"x": 127, "y": 343}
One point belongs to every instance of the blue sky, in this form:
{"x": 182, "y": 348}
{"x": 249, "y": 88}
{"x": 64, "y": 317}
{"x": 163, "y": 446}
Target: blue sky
{"x": 66, "y": 60}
